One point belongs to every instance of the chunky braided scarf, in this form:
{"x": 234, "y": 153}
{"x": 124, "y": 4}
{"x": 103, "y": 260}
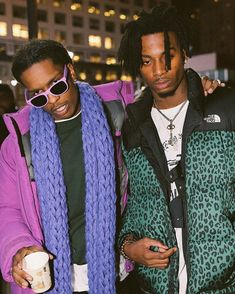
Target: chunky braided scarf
{"x": 100, "y": 194}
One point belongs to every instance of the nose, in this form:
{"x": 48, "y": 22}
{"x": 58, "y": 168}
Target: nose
{"x": 159, "y": 68}
{"x": 52, "y": 98}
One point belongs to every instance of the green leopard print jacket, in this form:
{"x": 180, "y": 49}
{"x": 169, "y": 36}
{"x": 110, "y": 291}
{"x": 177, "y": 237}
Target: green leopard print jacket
{"x": 209, "y": 193}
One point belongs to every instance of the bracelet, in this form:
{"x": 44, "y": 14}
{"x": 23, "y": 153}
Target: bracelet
{"x": 130, "y": 239}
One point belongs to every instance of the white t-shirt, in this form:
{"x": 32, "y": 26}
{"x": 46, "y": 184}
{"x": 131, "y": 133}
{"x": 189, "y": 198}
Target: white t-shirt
{"x": 172, "y": 146}
{"x": 79, "y": 278}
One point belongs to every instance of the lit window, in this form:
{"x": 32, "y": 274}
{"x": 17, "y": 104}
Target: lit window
{"x": 193, "y": 15}
{"x": 3, "y": 28}
{"x": 43, "y": 33}
{"x": 111, "y": 60}
{"x": 96, "y": 58}
{"x": 82, "y": 75}
{"x": 76, "y": 5}
{"x": 78, "y": 39}
{"x": 126, "y": 77}
{"x": 94, "y": 8}
{"x": 109, "y": 11}
{"x": 98, "y": 76}
{"x": 78, "y": 56}
{"x": 94, "y": 41}
{"x": 111, "y": 76}
{"x": 60, "y": 36}
{"x": 20, "y": 31}
{"x": 108, "y": 43}
{"x": 135, "y": 16}
{"x": 58, "y": 3}
{"x": 124, "y": 14}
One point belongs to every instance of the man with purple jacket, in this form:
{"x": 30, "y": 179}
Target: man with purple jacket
{"x": 58, "y": 191}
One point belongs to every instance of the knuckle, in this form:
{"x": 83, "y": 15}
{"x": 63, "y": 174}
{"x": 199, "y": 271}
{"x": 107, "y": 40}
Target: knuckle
{"x": 148, "y": 263}
{"x": 145, "y": 240}
{"x": 146, "y": 256}
{"x": 14, "y": 269}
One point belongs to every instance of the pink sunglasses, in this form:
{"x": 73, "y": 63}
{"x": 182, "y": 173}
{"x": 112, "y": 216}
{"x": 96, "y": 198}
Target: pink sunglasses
{"x": 41, "y": 99}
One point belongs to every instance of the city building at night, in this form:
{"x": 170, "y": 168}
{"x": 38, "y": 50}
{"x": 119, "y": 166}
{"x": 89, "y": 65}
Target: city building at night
{"x": 213, "y": 37}
{"x": 91, "y": 30}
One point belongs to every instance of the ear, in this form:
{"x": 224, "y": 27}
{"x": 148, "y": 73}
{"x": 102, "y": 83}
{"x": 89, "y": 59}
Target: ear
{"x": 72, "y": 71}
{"x": 185, "y": 57}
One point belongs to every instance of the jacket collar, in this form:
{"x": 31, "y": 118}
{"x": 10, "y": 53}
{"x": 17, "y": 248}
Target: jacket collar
{"x": 139, "y": 111}
{"x": 21, "y": 117}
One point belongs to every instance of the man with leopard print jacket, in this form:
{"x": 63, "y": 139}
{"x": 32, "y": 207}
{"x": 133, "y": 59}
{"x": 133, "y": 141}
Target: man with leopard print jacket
{"x": 179, "y": 147}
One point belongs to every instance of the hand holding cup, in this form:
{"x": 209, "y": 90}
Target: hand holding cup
{"x": 37, "y": 266}
{"x": 21, "y": 277}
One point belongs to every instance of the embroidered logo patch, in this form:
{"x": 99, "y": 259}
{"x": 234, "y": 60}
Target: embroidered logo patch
{"x": 212, "y": 118}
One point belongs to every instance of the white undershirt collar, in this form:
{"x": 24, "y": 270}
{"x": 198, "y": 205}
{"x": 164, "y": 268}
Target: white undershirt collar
{"x": 67, "y": 119}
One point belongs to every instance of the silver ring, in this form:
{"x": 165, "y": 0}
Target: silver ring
{"x": 218, "y": 81}
{"x": 154, "y": 248}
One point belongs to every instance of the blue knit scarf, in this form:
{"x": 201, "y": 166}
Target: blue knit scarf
{"x": 100, "y": 194}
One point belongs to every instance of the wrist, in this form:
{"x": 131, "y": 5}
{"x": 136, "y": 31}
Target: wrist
{"x": 129, "y": 240}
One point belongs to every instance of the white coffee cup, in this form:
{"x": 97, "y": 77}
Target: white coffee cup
{"x": 37, "y": 265}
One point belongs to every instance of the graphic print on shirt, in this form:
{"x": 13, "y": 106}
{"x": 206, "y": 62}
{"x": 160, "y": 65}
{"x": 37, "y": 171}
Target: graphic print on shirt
{"x": 172, "y": 145}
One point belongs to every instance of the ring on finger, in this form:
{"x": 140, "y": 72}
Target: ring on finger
{"x": 218, "y": 81}
{"x": 154, "y": 248}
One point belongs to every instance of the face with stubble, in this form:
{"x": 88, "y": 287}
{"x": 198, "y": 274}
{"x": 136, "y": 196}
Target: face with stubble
{"x": 162, "y": 82}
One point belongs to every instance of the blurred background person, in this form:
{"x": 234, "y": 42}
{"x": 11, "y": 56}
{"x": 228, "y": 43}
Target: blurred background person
{"x": 7, "y": 104}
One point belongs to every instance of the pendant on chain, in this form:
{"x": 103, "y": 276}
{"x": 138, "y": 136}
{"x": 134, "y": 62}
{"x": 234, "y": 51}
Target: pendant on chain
{"x": 171, "y": 127}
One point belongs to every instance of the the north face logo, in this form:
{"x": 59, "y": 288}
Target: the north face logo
{"x": 212, "y": 118}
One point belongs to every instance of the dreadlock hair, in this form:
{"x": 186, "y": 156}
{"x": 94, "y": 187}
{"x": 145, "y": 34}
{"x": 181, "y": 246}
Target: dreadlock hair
{"x": 162, "y": 18}
{"x": 35, "y": 51}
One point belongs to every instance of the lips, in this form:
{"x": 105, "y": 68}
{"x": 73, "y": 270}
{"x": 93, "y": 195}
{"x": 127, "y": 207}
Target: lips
{"x": 60, "y": 110}
{"x": 162, "y": 84}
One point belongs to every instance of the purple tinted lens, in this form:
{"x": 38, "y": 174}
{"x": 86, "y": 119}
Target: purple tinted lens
{"x": 59, "y": 88}
{"x": 39, "y": 101}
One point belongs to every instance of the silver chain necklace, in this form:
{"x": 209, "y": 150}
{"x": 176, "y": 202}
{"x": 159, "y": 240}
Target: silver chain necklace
{"x": 171, "y": 126}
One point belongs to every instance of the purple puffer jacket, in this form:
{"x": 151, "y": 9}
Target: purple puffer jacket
{"x": 20, "y": 224}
